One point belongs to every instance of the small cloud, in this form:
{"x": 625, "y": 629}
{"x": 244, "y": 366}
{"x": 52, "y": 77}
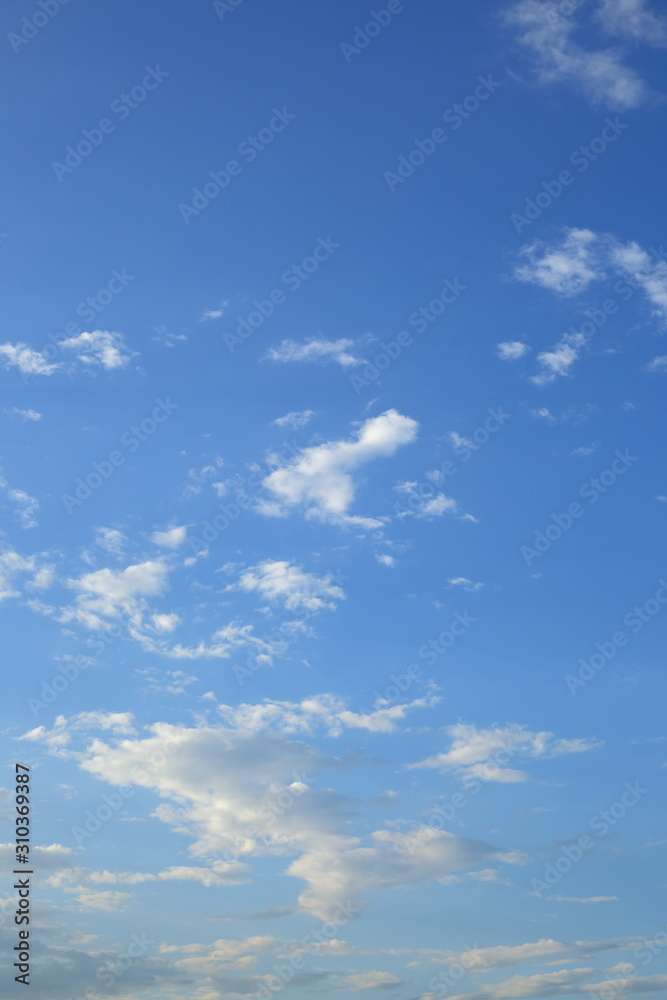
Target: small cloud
{"x": 511, "y": 350}
{"x": 171, "y": 538}
{"x": 587, "y": 899}
{"x": 214, "y": 313}
{"x": 543, "y": 413}
{"x": 294, "y": 419}
{"x": 16, "y": 413}
{"x": 316, "y": 352}
{"x": 385, "y": 559}
{"x": 166, "y": 337}
{"x": 465, "y": 583}
{"x": 658, "y": 364}
{"x": 583, "y": 451}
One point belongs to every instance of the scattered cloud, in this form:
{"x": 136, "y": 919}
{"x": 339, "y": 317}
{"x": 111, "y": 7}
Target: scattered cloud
{"x": 24, "y": 415}
{"x": 600, "y": 74}
{"x": 294, "y": 419}
{"x": 484, "y": 753}
{"x": 316, "y": 352}
{"x": 511, "y": 350}
{"x": 296, "y": 589}
{"x": 320, "y": 480}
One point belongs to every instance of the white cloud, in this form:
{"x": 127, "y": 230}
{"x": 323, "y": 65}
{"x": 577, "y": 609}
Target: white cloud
{"x": 583, "y": 451}
{"x": 110, "y": 539}
{"x": 296, "y": 589}
{"x": 171, "y": 538}
{"x": 633, "y": 19}
{"x": 484, "y": 753}
{"x": 314, "y": 351}
{"x": 465, "y": 583}
{"x": 511, "y": 350}
{"x": 100, "y": 347}
{"x": 25, "y": 506}
{"x": 566, "y": 267}
{"x": 587, "y": 899}
{"x": 13, "y": 564}
{"x": 165, "y": 623}
{"x": 544, "y": 413}
{"x": 385, "y": 559}
{"x": 107, "y": 595}
{"x": 659, "y": 364}
{"x": 215, "y": 313}
{"x": 426, "y": 506}
{"x": 294, "y": 419}
{"x": 26, "y": 359}
{"x": 600, "y": 73}
{"x": 569, "y": 265}
{"x": 319, "y": 480}
{"x": 24, "y": 414}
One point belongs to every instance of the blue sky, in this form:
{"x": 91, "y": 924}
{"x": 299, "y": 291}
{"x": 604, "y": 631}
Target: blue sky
{"x": 333, "y": 488}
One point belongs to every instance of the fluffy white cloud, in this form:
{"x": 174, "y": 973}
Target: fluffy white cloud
{"x": 107, "y": 595}
{"x": 247, "y": 788}
{"x": 171, "y": 538}
{"x": 600, "y": 73}
{"x": 659, "y": 364}
{"x": 26, "y": 359}
{"x": 569, "y": 265}
{"x": 385, "y": 559}
{"x": 566, "y": 267}
{"x": 485, "y": 753}
{"x": 100, "y": 347}
{"x": 296, "y": 589}
{"x": 511, "y": 350}
{"x": 316, "y": 351}
{"x": 319, "y": 480}
{"x": 97, "y": 348}
{"x": 14, "y": 565}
